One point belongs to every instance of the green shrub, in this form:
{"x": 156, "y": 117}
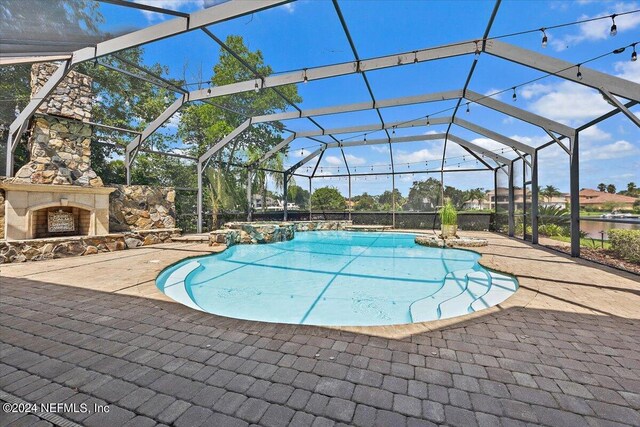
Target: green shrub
{"x": 551, "y": 230}
{"x": 626, "y": 244}
{"x": 448, "y": 214}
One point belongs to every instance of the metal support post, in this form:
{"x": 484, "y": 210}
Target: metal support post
{"x": 285, "y": 186}
{"x": 512, "y": 209}
{"x": 524, "y": 199}
{"x": 534, "y": 198}
{"x": 350, "y": 207}
{"x": 393, "y": 200}
{"x": 574, "y": 195}
{"x": 249, "y": 197}
{"x": 199, "y": 196}
{"x": 127, "y": 166}
{"x": 496, "y": 222}
{"x": 309, "y": 198}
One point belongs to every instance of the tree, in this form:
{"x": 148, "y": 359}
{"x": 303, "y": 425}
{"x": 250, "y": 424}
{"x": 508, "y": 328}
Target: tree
{"x": 549, "y": 192}
{"x": 366, "y": 202}
{"x": 602, "y": 187}
{"x": 274, "y": 163}
{"x": 457, "y": 197}
{"x": 632, "y": 190}
{"x": 201, "y": 126}
{"x": 386, "y": 200}
{"x": 327, "y": 199}
{"x": 611, "y": 189}
{"x": 298, "y": 195}
{"x": 423, "y": 195}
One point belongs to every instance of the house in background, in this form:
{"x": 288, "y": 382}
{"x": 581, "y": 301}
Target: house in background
{"x": 595, "y": 199}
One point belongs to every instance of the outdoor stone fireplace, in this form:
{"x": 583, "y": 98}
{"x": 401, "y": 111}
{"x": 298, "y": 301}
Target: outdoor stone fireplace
{"x": 57, "y": 193}
{"x": 36, "y": 210}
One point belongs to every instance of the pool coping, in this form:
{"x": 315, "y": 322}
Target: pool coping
{"x": 519, "y": 299}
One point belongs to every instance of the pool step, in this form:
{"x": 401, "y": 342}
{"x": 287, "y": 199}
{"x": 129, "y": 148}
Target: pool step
{"x": 502, "y": 287}
{"x": 174, "y": 286}
{"x": 426, "y": 309}
{"x": 478, "y": 284}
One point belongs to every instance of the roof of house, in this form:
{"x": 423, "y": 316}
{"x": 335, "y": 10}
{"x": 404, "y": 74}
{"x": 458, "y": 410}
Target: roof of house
{"x": 595, "y": 197}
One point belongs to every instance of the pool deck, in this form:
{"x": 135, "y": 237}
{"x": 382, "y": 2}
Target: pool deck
{"x": 564, "y": 350}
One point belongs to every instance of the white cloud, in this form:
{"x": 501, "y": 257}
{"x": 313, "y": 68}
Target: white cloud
{"x": 628, "y": 70}
{"x": 599, "y": 29}
{"x": 334, "y": 161}
{"x": 417, "y": 156}
{"x": 181, "y": 5}
{"x": 303, "y": 152}
{"x": 594, "y": 133}
{"x": 534, "y": 89}
{"x": 354, "y": 160}
{"x": 174, "y": 121}
{"x": 567, "y": 101}
{"x": 614, "y": 150}
{"x": 380, "y": 148}
{"x": 493, "y": 91}
{"x": 289, "y": 7}
{"x": 532, "y": 141}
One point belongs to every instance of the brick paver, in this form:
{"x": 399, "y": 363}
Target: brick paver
{"x": 151, "y": 361}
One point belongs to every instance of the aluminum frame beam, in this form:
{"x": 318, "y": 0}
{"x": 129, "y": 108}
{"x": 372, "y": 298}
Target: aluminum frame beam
{"x": 518, "y": 113}
{"x": 501, "y": 139}
{"x": 479, "y": 150}
{"x": 566, "y": 70}
{"x": 361, "y": 106}
{"x": 608, "y": 95}
{"x": 500, "y": 160}
{"x": 336, "y": 70}
{"x": 224, "y": 141}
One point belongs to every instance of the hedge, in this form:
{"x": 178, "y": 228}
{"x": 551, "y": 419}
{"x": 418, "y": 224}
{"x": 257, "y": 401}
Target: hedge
{"x": 626, "y": 244}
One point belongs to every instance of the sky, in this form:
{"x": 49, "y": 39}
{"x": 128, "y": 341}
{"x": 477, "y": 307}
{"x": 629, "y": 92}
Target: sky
{"x": 307, "y": 34}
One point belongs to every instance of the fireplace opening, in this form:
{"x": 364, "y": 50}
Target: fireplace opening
{"x": 60, "y": 221}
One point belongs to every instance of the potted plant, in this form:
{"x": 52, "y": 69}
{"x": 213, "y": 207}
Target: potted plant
{"x": 448, "y": 220}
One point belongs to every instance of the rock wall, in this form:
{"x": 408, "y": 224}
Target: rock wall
{"x": 41, "y": 249}
{"x": 262, "y": 232}
{"x": 321, "y": 225}
{"x": 141, "y": 207}
{"x": 235, "y": 233}
{"x": 60, "y": 146}
{"x": 2, "y": 215}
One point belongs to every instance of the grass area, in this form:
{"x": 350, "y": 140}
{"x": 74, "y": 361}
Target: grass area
{"x": 585, "y": 241}
{"x": 592, "y": 214}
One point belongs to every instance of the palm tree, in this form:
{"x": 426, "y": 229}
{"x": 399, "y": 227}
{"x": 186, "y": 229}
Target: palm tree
{"x": 274, "y": 162}
{"x": 224, "y": 191}
{"x": 549, "y": 192}
{"x": 632, "y": 188}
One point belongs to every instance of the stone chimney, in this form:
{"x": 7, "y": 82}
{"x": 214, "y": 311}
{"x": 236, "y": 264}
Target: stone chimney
{"x": 60, "y": 141}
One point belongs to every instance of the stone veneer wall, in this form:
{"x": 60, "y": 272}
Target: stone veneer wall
{"x": 235, "y": 233}
{"x": 2, "y": 215}
{"x": 60, "y": 146}
{"x": 41, "y": 249}
{"x": 141, "y": 207}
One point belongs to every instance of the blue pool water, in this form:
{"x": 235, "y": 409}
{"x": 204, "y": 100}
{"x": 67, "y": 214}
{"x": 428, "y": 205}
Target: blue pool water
{"x": 337, "y": 278}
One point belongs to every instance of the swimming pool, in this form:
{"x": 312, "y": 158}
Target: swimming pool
{"x": 337, "y": 278}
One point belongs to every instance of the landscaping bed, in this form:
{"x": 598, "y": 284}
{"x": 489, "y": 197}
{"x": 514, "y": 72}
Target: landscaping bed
{"x": 603, "y": 256}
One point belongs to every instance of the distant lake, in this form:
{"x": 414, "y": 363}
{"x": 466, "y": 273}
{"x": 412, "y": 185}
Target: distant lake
{"x": 593, "y": 228}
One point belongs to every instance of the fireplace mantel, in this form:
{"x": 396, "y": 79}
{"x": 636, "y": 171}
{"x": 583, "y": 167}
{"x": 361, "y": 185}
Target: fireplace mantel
{"x": 22, "y": 200}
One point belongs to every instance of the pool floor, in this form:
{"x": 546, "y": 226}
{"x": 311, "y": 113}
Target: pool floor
{"x": 334, "y": 278}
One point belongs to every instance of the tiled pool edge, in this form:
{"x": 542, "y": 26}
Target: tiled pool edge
{"x": 518, "y": 300}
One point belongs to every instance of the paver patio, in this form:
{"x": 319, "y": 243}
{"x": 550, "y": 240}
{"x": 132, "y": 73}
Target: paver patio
{"x": 565, "y": 350}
